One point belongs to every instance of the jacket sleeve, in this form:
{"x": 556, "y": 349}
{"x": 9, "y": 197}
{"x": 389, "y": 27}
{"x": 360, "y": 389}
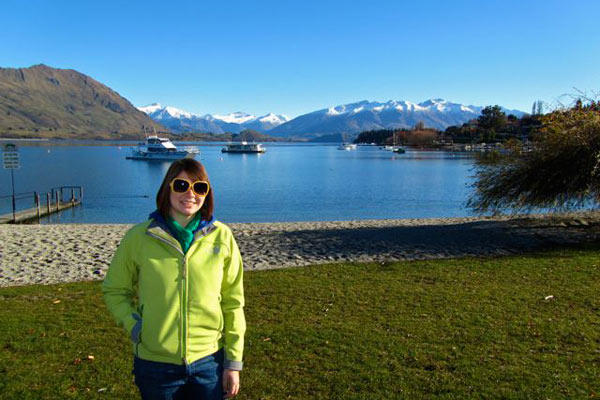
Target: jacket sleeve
{"x": 119, "y": 286}
{"x": 232, "y": 305}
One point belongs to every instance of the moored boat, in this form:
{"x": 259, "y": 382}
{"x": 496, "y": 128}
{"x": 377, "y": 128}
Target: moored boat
{"x": 394, "y": 148}
{"x": 160, "y": 149}
{"x": 243, "y": 147}
{"x": 347, "y": 146}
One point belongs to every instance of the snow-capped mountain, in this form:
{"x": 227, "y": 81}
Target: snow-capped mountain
{"x": 343, "y": 119}
{"x": 366, "y": 115}
{"x": 182, "y": 121}
{"x": 266, "y": 122}
{"x": 160, "y": 112}
{"x": 235, "y": 118}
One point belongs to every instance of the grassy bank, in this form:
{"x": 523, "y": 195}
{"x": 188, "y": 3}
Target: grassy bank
{"x": 467, "y": 328}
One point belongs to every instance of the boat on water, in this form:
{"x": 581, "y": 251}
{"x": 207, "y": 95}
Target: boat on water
{"x": 160, "y": 149}
{"x": 395, "y": 149}
{"x": 347, "y": 146}
{"x": 243, "y": 147}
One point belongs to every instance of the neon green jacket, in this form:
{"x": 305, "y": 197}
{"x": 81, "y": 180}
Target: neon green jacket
{"x": 188, "y": 306}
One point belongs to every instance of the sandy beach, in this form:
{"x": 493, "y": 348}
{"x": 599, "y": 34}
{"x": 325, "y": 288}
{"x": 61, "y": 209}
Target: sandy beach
{"x": 45, "y": 254}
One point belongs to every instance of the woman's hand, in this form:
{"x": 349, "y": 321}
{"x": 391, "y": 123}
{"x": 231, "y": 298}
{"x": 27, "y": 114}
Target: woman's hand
{"x": 231, "y": 383}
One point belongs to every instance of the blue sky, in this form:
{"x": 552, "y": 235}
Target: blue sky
{"x": 293, "y": 57}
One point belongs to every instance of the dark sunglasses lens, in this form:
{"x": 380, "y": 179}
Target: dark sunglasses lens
{"x": 180, "y": 186}
{"x": 200, "y": 187}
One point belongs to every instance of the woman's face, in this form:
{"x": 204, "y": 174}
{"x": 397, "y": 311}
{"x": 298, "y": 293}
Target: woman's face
{"x": 187, "y": 203}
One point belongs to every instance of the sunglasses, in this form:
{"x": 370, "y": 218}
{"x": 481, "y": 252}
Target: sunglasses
{"x": 182, "y": 185}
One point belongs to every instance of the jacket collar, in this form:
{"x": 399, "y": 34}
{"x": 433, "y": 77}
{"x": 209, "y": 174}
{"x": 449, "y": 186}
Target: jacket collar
{"x": 159, "y": 221}
{"x": 159, "y": 227}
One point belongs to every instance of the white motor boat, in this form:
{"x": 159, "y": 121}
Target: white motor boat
{"x": 347, "y": 146}
{"x": 244, "y": 147}
{"x": 157, "y": 148}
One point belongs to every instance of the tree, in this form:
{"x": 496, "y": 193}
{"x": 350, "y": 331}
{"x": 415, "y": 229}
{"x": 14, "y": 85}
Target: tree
{"x": 379, "y": 136}
{"x": 537, "y": 108}
{"x": 492, "y": 118}
{"x": 248, "y": 135}
{"x": 562, "y": 170}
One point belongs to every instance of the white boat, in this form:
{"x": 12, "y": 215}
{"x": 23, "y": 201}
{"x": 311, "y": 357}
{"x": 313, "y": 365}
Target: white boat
{"x": 395, "y": 148}
{"x": 157, "y": 148}
{"x": 243, "y": 147}
{"x": 347, "y": 146}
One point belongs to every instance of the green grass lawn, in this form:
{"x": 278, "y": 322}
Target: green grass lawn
{"x": 464, "y": 328}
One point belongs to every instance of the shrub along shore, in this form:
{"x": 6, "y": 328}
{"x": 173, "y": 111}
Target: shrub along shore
{"x": 507, "y": 327}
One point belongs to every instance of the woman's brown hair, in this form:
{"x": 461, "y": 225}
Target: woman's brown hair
{"x": 195, "y": 170}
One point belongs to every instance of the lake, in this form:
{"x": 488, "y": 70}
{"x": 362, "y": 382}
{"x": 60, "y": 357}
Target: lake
{"x": 290, "y": 182}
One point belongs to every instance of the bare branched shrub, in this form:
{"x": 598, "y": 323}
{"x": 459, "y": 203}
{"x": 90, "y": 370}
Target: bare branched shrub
{"x": 561, "y": 172}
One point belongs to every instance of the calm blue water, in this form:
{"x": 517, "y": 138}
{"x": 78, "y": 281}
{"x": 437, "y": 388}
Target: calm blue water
{"x": 293, "y": 182}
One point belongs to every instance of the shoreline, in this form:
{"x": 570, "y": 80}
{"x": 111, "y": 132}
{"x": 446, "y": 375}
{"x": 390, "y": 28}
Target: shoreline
{"x": 48, "y": 254}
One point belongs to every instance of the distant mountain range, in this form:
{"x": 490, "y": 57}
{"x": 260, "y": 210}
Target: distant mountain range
{"x": 41, "y": 101}
{"x": 182, "y": 121}
{"x": 369, "y": 115}
{"x": 47, "y": 102}
{"x": 347, "y": 119}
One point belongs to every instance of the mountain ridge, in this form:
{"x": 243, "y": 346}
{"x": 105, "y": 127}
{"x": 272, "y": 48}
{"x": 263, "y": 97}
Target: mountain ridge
{"x": 41, "y": 101}
{"x": 351, "y": 118}
{"x": 181, "y": 121}
{"x": 51, "y": 102}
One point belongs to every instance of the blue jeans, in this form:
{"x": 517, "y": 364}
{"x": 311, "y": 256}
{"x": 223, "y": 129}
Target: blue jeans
{"x": 202, "y": 379}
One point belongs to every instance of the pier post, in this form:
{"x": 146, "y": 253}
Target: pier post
{"x": 57, "y": 200}
{"x": 37, "y": 205}
{"x": 81, "y": 194}
{"x": 72, "y": 195}
{"x": 14, "y": 202}
{"x": 48, "y": 202}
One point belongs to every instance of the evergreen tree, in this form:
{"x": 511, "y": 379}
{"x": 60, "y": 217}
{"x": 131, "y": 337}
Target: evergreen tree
{"x": 492, "y": 118}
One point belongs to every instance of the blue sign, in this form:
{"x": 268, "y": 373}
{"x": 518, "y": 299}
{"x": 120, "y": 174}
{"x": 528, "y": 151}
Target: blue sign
{"x": 10, "y": 156}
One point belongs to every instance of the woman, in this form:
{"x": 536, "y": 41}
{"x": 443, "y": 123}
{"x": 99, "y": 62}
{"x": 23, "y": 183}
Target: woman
{"x": 185, "y": 270}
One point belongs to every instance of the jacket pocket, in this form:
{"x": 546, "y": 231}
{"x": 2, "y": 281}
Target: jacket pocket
{"x": 160, "y": 333}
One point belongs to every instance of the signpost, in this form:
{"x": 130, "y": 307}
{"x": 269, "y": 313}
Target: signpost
{"x": 10, "y": 159}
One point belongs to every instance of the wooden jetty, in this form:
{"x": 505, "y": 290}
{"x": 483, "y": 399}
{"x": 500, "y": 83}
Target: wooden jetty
{"x": 49, "y": 203}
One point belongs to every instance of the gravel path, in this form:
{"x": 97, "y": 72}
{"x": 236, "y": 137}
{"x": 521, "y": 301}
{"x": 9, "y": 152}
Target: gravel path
{"x": 32, "y": 254}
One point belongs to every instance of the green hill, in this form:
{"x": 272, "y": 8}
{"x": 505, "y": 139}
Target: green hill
{"x": 62, "y": 103}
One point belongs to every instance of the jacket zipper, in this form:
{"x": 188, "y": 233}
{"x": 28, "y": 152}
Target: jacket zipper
{"x": 182, "y": 295}
{"x": 185, "y": 308}
{"x": 184, "y": 316}
{"x": 183, "y": 291}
